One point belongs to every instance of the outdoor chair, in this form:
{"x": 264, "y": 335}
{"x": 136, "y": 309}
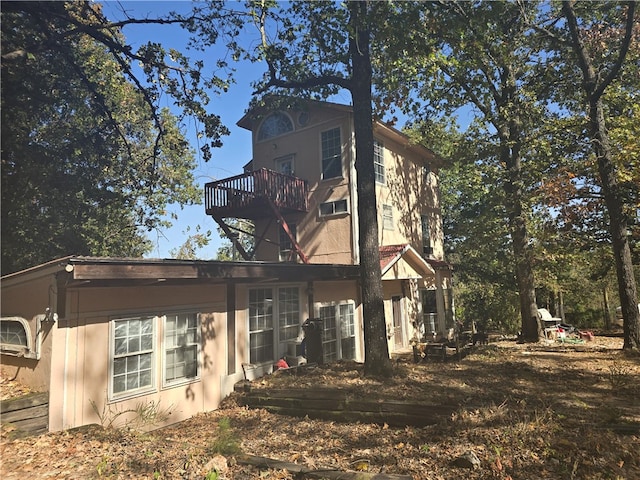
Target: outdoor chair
{"x": 549, "y": 324}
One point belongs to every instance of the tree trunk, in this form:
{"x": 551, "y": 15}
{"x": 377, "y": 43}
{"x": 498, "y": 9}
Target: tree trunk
{"x": 376, "y": 350}
{"x": 617, "y": 227}
{"x": 607, "y": 309}
{"x": 594, "y": 86}
{"x": 524, "y": 272}
{"x": 509, "y": 133}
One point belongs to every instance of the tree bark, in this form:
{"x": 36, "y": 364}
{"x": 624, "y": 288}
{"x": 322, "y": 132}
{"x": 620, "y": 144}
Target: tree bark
{"x": 510, "y": 133}
{"x": 617, "y": 227}
{"x": 376, "y": 354}
{"x": 594, "y": 87}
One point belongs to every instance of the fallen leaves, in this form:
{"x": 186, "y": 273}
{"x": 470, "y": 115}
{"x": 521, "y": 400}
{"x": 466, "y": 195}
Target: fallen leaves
{"x": 525, "y": 423}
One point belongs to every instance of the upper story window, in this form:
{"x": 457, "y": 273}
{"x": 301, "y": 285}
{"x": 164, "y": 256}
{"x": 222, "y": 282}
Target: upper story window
{"x": 378, "y": 162}
{"x": 333, "y": 208}
{"x": 14, "y": 335}
{"x": 275, "y": 125}
{"x": 331, "y": 154}
{"x": 427, "y": 249}
{"x": 284, "y": 165}
{"x": 387, "y": 217}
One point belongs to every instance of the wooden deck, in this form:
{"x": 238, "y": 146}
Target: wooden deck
{"x": 253, "y": 194}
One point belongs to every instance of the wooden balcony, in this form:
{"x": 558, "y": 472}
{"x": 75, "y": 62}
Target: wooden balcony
{"x": 253, "y": 195}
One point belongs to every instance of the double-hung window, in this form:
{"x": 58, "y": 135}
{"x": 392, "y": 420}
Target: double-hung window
{"x": 134, "y": 342}
{"x": 331, "y": 154}
{"x": 378, "y": 162}
{"x": 260, "y": 325}
{"x": 288, "y": 313}
{"x": 387, "y": 217}
{"x": 133, "y": 356}
{"x": 181, "y": 341}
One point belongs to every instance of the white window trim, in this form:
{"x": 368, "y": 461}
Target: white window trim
{"x": 382, "y": 164}
{"x": 265, "y": 365}
{"x": 387, "y": 220}
{"x": 334, "y": 214}
{"x": 19, "y": 350}
{"x": 338, "y": 340}
{"x": 154, "y": 360}
{"x": 322, "y": 177}
{"x": 163, "y": 363}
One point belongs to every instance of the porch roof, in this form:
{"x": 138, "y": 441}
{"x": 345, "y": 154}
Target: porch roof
{"x": 403, "y": 261}
{"x": 78, "y": 271}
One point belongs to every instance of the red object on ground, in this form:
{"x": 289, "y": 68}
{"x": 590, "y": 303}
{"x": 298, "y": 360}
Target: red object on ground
{"x": 586, "y": 335}
{"x": 282, "y": 363}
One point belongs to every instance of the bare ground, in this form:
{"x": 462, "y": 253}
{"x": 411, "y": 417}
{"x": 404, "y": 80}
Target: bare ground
{"x": 526, "y": 411}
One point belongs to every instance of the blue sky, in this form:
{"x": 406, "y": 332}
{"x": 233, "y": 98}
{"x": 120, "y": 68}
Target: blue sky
{"x": 227, "y": 160}
{"x": 236, "y": 150}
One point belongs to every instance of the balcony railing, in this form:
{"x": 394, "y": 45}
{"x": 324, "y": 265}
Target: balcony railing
{"x": 248, "y": 195}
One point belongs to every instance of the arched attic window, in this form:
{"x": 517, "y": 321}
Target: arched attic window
{"x": 15, "y": 336}
{"x": 275, "y": 125}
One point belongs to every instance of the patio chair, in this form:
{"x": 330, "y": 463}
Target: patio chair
{"x": 548, "y": 323}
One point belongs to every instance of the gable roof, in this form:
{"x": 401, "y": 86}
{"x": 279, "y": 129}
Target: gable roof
{"x": 403, "y": 261}
{"x": 381, "y": 128}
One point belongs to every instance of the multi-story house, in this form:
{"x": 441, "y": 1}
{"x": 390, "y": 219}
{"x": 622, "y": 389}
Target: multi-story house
{"x": 300, "y": 191}
{"x": 118, "y": 332}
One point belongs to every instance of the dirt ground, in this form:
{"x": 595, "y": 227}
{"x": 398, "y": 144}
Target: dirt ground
{"x": 525, "y": 411}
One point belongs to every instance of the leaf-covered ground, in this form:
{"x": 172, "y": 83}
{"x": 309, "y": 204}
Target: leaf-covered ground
{"x": 526, "y": 411}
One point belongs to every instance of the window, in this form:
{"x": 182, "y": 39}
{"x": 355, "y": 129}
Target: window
{"x": 426, "y": 173}
{"x": 429, "y": 311}
{"x": 284, "y": 165}
{"x": 132, "y": 355}
{"x": 14, "y": 335}
{"x": 378, "y": 162}
{"x": 331, "y": 154}
{"x": 262, "y": 313}
{"x": 275, "y": 125}
{"x": 387, "y": 217}
{"x": 333, "y": 208}
{"x": 347, "y": 330}
{"x": 260, "y": 325}
{"x": 329, "y": 333}
{"x": 427, "y": 249}
{"x": 338, "y": 335}
{"x": 286, "y": 246}
{"x": 181, "y": 341}
{"x": 288, "y": 313}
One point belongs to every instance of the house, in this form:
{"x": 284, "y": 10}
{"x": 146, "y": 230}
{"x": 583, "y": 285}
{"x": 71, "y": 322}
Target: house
{"x": 106, "y": 335}
{"x": 299, "y": 190}
{"x": 116, "y": 333}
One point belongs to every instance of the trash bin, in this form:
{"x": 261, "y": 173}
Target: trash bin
{"x": 312, "y": 328}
